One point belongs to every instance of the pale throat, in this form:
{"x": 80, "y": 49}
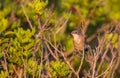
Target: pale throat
{"x": 77, "y": 38}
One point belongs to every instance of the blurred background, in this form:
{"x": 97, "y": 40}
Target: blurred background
{"x": 97, "y": 12}
{"x": 58, "y": 18}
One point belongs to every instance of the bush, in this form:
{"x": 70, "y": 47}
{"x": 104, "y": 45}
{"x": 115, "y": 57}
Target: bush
{"x": 35, "y": 38}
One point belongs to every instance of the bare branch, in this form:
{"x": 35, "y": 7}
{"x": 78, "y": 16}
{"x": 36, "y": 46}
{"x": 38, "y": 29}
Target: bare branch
{"x": 28, "y": 20}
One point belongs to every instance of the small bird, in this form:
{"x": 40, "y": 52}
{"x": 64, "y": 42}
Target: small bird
{"x": 79, "y": 41}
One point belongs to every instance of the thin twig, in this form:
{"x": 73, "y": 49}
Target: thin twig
{"x": 28, "y": 20}
{"x": 79, "y": 68}
{"x": 64, "y": 23}
{"x": 41, "y": 63}
{"x": 50, "y": 50}
{"x": 111, "y": 63}
{"x": 102, "y": 60}
{"x": 39, "y": 23}
{"x": 94, "y": 66}
{"x": 24, "y": 64}
{"x": 63, "y": 57}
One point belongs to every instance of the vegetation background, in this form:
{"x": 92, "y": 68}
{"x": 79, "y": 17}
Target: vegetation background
{"x": 35, "y": 38}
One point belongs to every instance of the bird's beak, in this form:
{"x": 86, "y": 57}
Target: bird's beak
{"x": 71, "y": 33}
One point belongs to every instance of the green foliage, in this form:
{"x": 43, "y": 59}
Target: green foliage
{"x": 3, "y": 24}
{"x": 19, "y": 45}
{"x": 33, "y": 67}
{"x": 4, "y": 12}
{"x": 1, "y": 54}
{"x": 113, "y": 39}
{"x": 22, "y": 45}
{"x": 3, "y": 74}
{"x": 113, "y": 9}
{"x": 23, "y": 36}
{"x": 38, "y": 6}
{"x": 58, "y": 69}
{"x": 69, "y": 44}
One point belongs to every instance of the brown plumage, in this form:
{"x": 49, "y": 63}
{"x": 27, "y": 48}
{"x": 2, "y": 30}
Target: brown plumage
{"x": 79, "y": 41}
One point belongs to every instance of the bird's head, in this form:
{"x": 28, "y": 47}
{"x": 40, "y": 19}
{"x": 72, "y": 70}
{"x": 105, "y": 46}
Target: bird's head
{"x": 76, "y": 34}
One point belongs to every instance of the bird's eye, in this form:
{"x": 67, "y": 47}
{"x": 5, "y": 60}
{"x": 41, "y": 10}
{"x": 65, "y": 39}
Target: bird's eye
{"x": 76, "y": 32}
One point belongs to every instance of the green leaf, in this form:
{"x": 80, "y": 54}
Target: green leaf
{"x": 3, "y": 24}
{"x": 38, "y": 6}
{"x": 1, "y": 54}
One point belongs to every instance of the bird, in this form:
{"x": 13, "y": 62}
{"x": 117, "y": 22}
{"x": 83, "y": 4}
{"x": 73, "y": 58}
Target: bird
{"x": 79, "y": 41}
{"x": 80, "y": 44}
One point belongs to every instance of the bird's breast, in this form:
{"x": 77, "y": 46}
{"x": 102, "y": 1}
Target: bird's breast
{"x": 79, "y": 44}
